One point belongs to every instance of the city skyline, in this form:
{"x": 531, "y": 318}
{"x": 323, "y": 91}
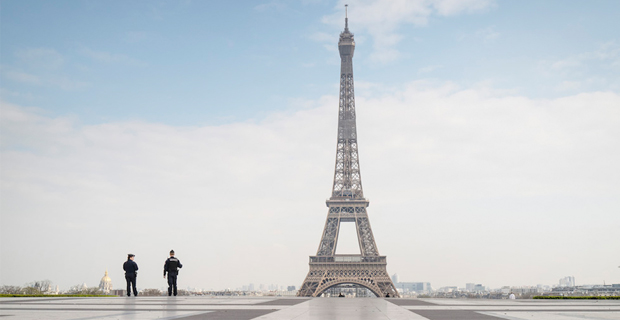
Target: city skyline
{"x": 488, "y": 139}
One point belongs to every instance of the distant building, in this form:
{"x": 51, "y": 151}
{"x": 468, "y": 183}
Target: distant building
{"x": 473, "y": 287}
{"x": 567, "y": 281}
{"x": 395, "y": 278}
{"x": 105, "y": 284}
{"x": 290, "y": 288}
{"x": 51, "y": 290}
{"x": 524, "y": 290}
{"x": 479, "y": 288}
{"x": 448, "y": 289}
{"x": 118, "y": 292}
{"x": 417, "y": 287}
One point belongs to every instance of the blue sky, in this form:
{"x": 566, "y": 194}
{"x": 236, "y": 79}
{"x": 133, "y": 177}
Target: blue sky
{"x": 486, "y": 129}
{"x": 193, "y": 63}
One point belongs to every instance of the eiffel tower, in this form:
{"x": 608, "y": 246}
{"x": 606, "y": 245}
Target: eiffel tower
{"x": 347, "y": 204}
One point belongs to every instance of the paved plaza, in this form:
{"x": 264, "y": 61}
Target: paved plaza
{"x": 271, "y": 308}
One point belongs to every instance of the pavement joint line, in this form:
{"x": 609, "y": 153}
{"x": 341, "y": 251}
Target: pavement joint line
{"x": 106, "y": 315}
{"x": 184, "y": 315}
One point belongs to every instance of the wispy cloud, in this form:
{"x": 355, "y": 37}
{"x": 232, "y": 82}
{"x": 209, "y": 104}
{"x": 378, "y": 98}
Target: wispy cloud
{"x": 40, "y": 58}
{"x": 382, "y": 19}
{"x": 429, "y": 69}
{"x": 23, "y": 77}
{"x": 324, "y": 36}
{"x": 135, "y": 36}
{"x": 271, "y": 5}
{"x": 608, "y": 53}
{"x": 597, "y": 68}
{"x": 488, "y": 34}
{"x": 47, "y": 79}
{"x": 111, "y": 58}
{"x": 42, "y": 67}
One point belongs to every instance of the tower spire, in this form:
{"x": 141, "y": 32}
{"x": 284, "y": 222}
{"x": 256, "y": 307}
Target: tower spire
{"x": 346, "y": 17}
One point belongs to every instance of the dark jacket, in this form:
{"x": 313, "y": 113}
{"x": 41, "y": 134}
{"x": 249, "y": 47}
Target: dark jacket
{"x": 130, "y": 267}
{"x": 171, "y": 266}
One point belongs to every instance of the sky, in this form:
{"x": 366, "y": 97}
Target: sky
{"x": 488, "y": 139}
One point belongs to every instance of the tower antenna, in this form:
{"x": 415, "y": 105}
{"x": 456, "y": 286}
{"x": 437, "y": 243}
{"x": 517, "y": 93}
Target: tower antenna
{"x": 346, "y": 17}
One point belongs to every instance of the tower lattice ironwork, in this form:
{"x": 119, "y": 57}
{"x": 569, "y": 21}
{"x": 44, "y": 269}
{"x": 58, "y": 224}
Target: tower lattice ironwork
{"x": 347, "y": 204}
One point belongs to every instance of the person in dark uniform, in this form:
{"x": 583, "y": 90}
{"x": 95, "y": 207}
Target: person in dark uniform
{"x": 171, "y": 267}
{"x": 131, "y": 272}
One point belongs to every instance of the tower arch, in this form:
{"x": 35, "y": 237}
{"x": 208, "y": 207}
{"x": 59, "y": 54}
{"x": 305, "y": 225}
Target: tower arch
{"x": 322, "y": 288}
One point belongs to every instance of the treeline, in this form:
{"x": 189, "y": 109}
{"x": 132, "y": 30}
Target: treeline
{"x": 44, "y": 288}
{"x": 157, "y": 292}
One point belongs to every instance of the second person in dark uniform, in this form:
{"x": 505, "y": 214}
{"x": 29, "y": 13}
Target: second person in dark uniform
{"x": 131, "y": 272}
{"x": 171, "y": 267}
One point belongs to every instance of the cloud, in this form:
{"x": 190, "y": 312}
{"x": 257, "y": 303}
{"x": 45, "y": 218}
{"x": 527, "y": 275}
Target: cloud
{"x": 271, "y": 5}
{"x": 135, "y": 36}
{"x": 40, "y": 58}
{"x": 480, "y": 177}
{"x": 569, "y": 86}
{"x": 455, "y": 7}
{"x": 382, "y": 19}
{"x": 429, "y": 69}
{"x": 608, "y": 54}
{"x": 323, "y": 37}
{"x": 594, "y": 69}
{"x": 487, "y": 34}
{"x": 111, "y": 58}
{"x": 22, "y": 77}
{"x": 47, "y": 79}
{"x": 42, "y": 67}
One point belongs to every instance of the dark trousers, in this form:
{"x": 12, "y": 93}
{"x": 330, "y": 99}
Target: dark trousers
{"x": 131, "y": 284}
{"x": 172, "y": 283}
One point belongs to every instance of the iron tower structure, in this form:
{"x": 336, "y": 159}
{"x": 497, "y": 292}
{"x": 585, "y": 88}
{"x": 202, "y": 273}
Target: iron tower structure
{"x": 347, "y": 204}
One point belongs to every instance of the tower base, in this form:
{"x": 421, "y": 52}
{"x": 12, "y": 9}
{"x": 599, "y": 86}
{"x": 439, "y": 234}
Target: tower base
{"x": 329, "y": 271}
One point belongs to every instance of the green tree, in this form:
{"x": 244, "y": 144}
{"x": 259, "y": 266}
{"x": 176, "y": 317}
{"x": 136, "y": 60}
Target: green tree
{"x": 41, "y": 286}
{"x": 81, "y": 289}
{"x": 11, "y": 290}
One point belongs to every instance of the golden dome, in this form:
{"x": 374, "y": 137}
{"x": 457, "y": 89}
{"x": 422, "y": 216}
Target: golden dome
{"x": 106, "y": 283}
{"x": 106, "y": 278}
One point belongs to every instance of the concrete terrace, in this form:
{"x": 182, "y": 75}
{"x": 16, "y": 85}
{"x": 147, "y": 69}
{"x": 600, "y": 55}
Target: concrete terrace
{"x": 264, "y": 308}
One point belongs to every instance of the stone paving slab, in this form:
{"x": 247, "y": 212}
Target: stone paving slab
{"x": 279, "y": 308}
{"x": 342, "y": 308}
